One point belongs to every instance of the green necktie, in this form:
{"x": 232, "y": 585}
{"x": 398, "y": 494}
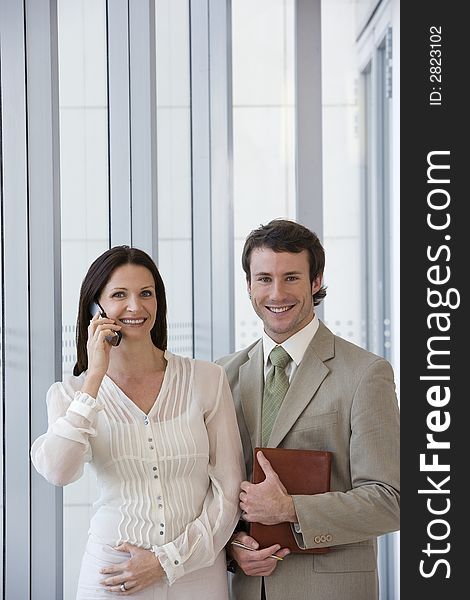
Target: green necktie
{"x": 275, "y": 389}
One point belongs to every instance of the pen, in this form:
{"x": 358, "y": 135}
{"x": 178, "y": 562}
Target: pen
{"x": 240, "y": 545}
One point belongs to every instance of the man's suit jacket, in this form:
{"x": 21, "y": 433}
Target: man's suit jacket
{"x": 342, "y": 399}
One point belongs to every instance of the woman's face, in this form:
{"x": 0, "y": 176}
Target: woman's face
{"x": 130, "y": 299}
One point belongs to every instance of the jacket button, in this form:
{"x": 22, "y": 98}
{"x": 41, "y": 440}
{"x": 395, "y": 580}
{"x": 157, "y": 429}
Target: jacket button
{"x": 316, "y": 539}
{"x": 329, "y": 538}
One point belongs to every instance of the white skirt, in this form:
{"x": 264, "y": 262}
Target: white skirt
{"x": 209, "y": 583}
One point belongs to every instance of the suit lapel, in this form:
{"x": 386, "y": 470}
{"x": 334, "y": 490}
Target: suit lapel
{"x": 308, "y": 378}
{"x": 251, "y": 391}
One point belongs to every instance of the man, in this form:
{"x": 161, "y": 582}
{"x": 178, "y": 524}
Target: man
{"x": 339, "y": 398}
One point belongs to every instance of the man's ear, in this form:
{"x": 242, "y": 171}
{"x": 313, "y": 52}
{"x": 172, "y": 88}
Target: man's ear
{"x": 316, "y": 283}
{"x": 248, "y": 287}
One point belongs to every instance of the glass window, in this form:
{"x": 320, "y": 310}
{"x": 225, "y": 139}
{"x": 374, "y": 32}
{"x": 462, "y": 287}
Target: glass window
{"x": 263, "y": 132}
{"x": 174, "y": 169}
{"x": 376, "y": 143}
{"x": 341, "y": 174}
{"x": 84, "y": 211}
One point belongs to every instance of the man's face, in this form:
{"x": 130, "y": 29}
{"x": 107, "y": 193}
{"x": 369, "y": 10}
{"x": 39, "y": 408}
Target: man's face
{"x": 281, "y": 292}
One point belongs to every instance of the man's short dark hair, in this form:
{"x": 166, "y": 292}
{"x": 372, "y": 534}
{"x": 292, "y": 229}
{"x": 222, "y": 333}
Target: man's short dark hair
{"x": 282, "y": 235}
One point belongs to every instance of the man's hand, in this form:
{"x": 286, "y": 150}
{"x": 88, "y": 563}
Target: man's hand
{"x": 139, "y": 572}
{"x": 267, "y": 502}
{"x": 255, "y": 562}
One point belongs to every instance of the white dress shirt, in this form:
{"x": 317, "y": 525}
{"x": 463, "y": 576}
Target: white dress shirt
{"x": 295, "y": 346}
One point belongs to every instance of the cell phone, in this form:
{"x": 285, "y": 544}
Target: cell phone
{"x": 116, "y": 337}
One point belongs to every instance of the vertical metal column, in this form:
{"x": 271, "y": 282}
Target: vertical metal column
{"x": 119, "y": 135}
{"x": 143, "y": 117}
{"x": 45, "y": 329}
{"x": 132, "y": 124}
{"x": 16, "y": 367}
{"x": 31, "y": 290}
{"x": 308, "y": 86}
{"x": 211, "y": 122}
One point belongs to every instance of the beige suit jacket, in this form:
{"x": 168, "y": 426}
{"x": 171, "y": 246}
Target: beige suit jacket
{"x": 342, "y": 399}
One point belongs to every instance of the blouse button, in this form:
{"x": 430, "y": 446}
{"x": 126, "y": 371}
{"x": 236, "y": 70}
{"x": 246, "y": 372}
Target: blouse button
{"x": 177, "y": 562}
{"x": 154, "y": 468}
{"x": 161, "y": 532}
{"x": 151, "y": 447}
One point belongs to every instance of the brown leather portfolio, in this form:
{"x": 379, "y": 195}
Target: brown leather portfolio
{"x": 303, "y": 472}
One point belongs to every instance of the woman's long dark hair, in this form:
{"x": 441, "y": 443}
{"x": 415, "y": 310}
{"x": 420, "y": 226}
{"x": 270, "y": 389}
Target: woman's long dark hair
{"x": 95, "y": 280}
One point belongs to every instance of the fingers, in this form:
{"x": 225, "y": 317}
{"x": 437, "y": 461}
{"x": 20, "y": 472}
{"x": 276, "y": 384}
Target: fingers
{"x": 250, "y": 553}
{"x": 114, "y": 570}
{"x": 97, "y": 319}
{"x": 258, "y": 562}
{"x": 244, "y": 507}
{"x": 245, "y": 485}
{"x": 131, "y": 587}
{"x": 283, "y": 552}
{"x": 140, "y": 571}
{"x": 244, "y": 516}
{"x": 253, "y": 561}
{"x": 96, "y": 316}
{"x": 265, "y": 464}
{"x": 247, "y": 540}
{"x": 121, "y": 584}
{"x": 117, "y": 576}
{"x": 105, "y": 326}
{"x": 100, "y": 332}
{"x": 266, "y": 552}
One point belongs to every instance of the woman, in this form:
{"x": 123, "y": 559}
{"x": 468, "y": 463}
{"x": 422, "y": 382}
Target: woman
{"x": 161, "y": 433}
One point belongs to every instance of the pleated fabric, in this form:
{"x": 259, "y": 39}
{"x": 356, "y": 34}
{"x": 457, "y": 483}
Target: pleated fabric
{"x": 168, "y": 480}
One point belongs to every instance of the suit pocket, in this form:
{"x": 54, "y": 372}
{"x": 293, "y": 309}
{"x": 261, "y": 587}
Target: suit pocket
{"x": 346, "y": 559}
{"x": 315, "y": 421}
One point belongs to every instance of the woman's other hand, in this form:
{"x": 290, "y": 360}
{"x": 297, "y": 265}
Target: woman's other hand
{"x": 134, "y": 575}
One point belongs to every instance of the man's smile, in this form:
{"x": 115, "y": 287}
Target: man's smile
{"x": 279, "y": 309}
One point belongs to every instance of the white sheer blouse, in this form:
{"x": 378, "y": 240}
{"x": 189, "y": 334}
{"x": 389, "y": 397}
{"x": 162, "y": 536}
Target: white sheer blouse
{"x": 168, "y": 480}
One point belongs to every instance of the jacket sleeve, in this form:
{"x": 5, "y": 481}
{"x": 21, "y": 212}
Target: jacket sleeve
{"x": 202, "y": 539}
{"x": 60, "y": 454}
{"x": 371, "y": 507}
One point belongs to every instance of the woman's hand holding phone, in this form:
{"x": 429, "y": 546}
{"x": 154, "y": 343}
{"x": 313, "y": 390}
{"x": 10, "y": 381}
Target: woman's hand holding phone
{"x": 98, "y": 347}
{"x": 115, "y": 337}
